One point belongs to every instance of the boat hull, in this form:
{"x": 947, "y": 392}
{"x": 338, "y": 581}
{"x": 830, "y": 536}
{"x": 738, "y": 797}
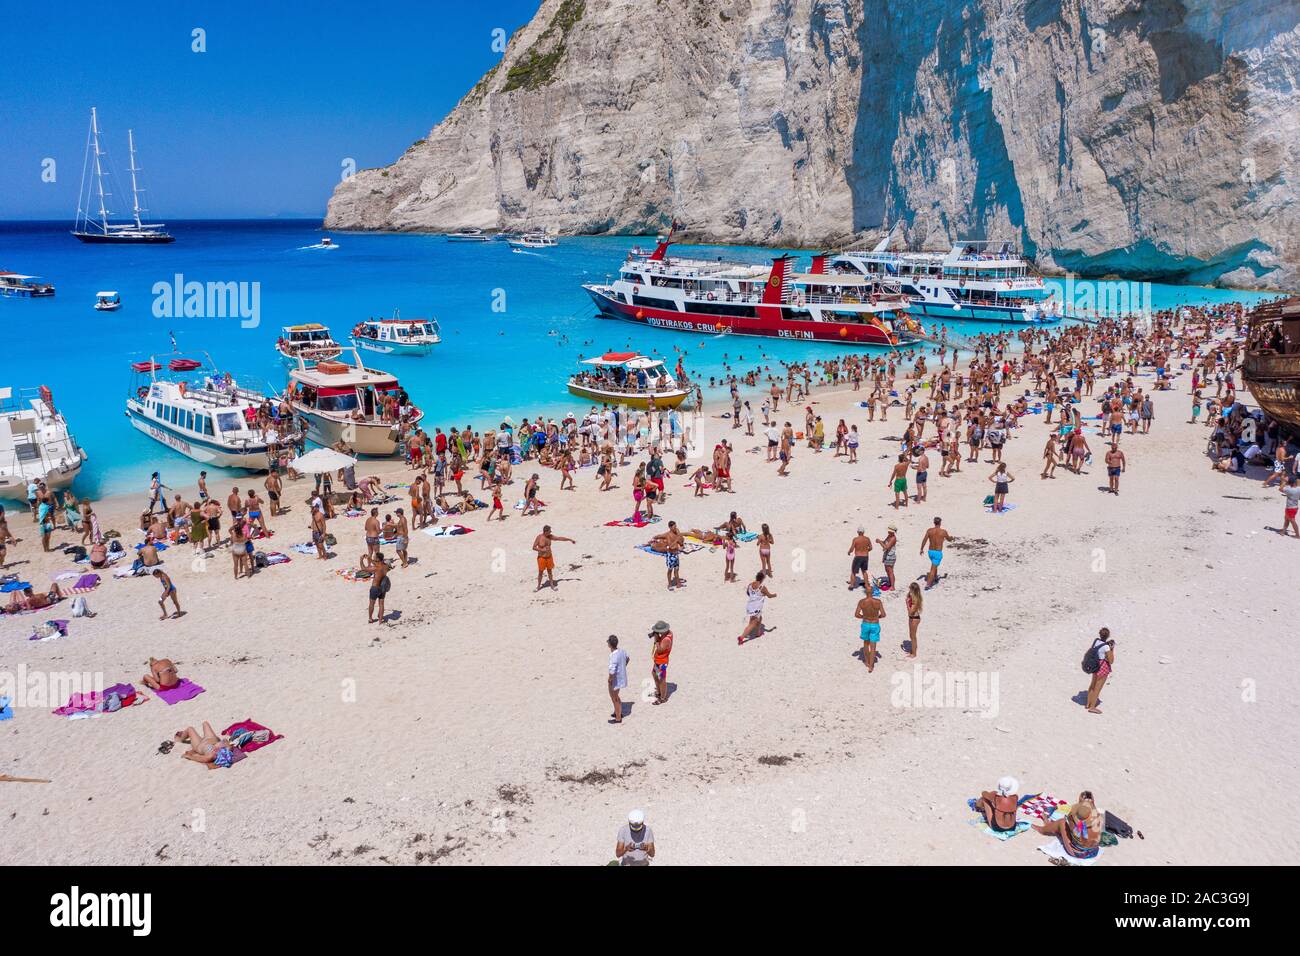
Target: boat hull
{"x": 13, "y": 486}
{"x": 1274, "y": 380}
{"x": 98, "y": 238}
{"x": 251, "y": 458}
{"x": 21, "y": 293}
{"x": 848, "y": 333}
{"x": 389, "y": 348}
{"x": 662, "y": 399}
{"x": 978, "y": 313}
{"x": 376, "y": 439}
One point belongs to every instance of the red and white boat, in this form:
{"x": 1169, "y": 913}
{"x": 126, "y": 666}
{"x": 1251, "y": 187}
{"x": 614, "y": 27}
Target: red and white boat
{"x": 714, "y": 296}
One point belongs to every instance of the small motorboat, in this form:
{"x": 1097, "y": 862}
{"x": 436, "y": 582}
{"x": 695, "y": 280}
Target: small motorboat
{"x": 108, "y": 301}
{"x": 626, "y": 378}
{"x": 469, "y": 235}
{"x": 531, "y": 240}
{"x": 310, "y": 340}
{"x": 325, "y": 243}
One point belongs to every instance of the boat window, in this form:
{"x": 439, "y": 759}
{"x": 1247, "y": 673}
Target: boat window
{"x": 338, "y": 403}
{"x": 654, "y": 303}
{"x": 189, "y": 420}
{"x": 207, "y": 425}
{"x": 157, "y": 410}
{"x": 229, "y": 421}
{"x": 401, "y": 331}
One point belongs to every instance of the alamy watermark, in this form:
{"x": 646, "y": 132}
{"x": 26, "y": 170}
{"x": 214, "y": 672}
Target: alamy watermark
{"x": 178, "y": 298}
{"x": 959, "y": 690}
{"x": 1074, "y": 297}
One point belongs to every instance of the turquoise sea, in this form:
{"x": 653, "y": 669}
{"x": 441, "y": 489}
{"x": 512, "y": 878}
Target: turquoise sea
{"x": 514, "y": 324}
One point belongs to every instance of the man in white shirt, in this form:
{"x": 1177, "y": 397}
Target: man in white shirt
{"x": 618, "y": 661}
{"x": 635, "y": 843}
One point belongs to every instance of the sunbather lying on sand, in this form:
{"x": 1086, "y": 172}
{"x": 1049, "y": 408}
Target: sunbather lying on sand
{"x": 162, "y": 675}
{"x": 31, "y": 600}
{"x": 207, "y": 748}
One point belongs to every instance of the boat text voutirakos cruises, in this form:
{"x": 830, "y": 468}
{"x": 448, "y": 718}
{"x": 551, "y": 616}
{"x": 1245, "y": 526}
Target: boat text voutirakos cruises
{"x": 704, "y": 295}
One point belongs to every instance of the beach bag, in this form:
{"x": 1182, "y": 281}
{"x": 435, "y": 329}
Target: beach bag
{"x": 330, "y": 541}
{"x": 1118, "y": 827}
{"x": 77, "y": 552}
{"x": 385, "y": 585}
{"x": 1092, "y": 659}
{"x": 259, "y": 560}
{"x": 79, "y": 608}
{"x": 114, "y": 545}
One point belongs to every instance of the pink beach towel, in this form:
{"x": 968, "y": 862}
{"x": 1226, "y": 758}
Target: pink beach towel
{"x": 252, "y": 745}
{"x": 185, "y": 690}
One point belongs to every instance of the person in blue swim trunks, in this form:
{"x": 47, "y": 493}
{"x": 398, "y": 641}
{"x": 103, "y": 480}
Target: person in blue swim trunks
{"x": 932, "y": 542}
{"x": 870, "y": 611}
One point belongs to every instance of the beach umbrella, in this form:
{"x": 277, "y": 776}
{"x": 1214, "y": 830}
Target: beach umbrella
{"x": 321, "y": 460}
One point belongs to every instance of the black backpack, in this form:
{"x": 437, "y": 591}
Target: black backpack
{"x": 1092, "y": 659}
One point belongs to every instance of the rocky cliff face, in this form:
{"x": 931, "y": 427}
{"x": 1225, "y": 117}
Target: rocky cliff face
{"x": 1153, "y": 138}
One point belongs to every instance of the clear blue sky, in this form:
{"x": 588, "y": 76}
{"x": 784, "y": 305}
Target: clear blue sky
{"x": 256, "y": 126}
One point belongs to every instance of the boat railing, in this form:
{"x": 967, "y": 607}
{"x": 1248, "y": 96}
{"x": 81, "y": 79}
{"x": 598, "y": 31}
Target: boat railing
{"x": 64, "y": 450}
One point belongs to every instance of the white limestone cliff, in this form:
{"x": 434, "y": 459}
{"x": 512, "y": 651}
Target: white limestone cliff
{"x": 1153, "y": 138}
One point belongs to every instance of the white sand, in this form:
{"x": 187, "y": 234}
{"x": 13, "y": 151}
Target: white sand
{"x": 463, "y": 731}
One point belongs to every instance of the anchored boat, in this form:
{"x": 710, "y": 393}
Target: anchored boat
{"x": 361, "y": 407}
{"x": 1271, "y": 369}
{"x": 531, "y": 240}
{"x": 190, "y": 407}
{"x": 21, "y": 286}
{"x": 397, "y": 336}
{"x": 714, "y": 296}
{"x": 310, "y": 341}
{"x": 107, "y": 301}
{"x": 92, "y": 193}
{"x": 468, "y": 235}
{"x": 35, "y": 443}
{"x": 626, "y": 378}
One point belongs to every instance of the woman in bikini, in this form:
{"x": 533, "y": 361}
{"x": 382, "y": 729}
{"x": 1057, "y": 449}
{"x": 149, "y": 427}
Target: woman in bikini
{"x": 206, "y": 748}
{"x": 162, "y": 675}
{"x": 765, "y": 542}
{"x": 1079, "y": 831}
{"x": 915, "y": 603}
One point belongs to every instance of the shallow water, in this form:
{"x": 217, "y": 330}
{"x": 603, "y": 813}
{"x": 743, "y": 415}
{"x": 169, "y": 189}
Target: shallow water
{"x": 514, "y": 324}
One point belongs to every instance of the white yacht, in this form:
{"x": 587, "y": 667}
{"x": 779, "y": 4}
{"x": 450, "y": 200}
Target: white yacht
{"x": 973, "y": 281}
{"x": 200, "y": 412}
{"x": 35, "y": 443}
{"x": 469, "y": 235}
{"x": 93, "y": 199}
{"x": 531, "y": 240}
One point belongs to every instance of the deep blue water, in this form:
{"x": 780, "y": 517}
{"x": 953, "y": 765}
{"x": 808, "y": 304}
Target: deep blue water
{"x": 490, "y": 363}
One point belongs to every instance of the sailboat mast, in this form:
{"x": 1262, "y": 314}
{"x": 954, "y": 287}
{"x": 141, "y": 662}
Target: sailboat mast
{"x": 99, "y": 170}
{"x": 135, "y": 190}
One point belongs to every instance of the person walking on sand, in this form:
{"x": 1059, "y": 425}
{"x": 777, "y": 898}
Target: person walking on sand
{"x": 662, "y": 636}
{"x": 898, "y": 481}
{"x": 1050, "y": 457}
{"x": 870, "y": 611}
{"x": 1098, "y": 662}
{"x": 1116, "y": 464}
{"x": 380, "y": 585}
{"x": 932, "y": 542}
{"x": 915, "y": 603}
{"x": 618, "y": 661}
{"x": 1001, "y": 479}
{"x": 755, "y": 594}
{"x": 860, "y": 549}
{"x": 168, "y": 591}
{"x": 545, "y": 557}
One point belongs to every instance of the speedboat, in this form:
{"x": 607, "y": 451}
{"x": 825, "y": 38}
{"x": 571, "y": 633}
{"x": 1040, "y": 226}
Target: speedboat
{"x": 325, "y": 243}
{"x": 344, "y": 401}
{"x": 311, "y": 340}
{"x": 108, "y": 301}
{"x": 35, "y": 443}
{"x": 202, "y": 413}
{"x": 397, "y": 336}
{"x": 14, "y": 284}
{"x": 626, "y": 378}
{"x": 468, "y": 235}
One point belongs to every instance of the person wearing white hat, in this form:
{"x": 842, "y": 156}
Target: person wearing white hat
{"x": 999, "y": 808}
{"x": 635, "y": 843}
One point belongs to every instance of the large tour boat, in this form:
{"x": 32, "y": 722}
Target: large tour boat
{"x": 626, "y": 378}
{"x": 311, "y": 341}
{"x": 21, "y": 286}
{"x": 1271, "y": 368}
{"x": 714, "y": 296}
{"x": 397, "y": 336}
{"x": 190, "y": 407}
{"x": 92, "y": 200}
{"x": 346, "y": 402}
{"x": 35, "y": 443}
{"x": 972, "y": 281}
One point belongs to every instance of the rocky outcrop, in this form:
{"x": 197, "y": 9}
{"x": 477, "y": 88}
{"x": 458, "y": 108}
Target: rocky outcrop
{"x": 1145, "y": 138}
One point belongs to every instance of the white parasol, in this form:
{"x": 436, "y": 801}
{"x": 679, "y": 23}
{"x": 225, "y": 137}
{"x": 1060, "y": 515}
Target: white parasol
{"x": 321, "y": 460}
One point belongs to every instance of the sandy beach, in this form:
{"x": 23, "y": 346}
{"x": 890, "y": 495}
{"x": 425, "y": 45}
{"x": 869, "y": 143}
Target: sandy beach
{"x": 473, "y": 728}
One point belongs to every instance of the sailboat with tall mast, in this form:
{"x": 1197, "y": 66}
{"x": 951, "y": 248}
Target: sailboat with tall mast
{"x": 97, "y": 228}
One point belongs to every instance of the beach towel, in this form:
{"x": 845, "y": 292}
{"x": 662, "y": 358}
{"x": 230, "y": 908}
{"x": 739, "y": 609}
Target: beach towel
{"x": 242, "y": 733}
{"x": 743, "y": 535}
{"x": 275, "y": 557}
{"x": 50, "y": 631}
{"x": 354, "y": 574}
{"x": 87, "y": 582}
{"x": 988, "y": 509}
{"x": 97, "y": 702}
{"x": 447, "y": 531}
{"x": 185, "y": 690}
{"x": 519, "y": 505}
{"x": 64, "y": 575}
{"x": 633, "y": 522}
{"x": 304, "y": 548}
{"x": 6, "y": 712}
{"x": 14, "y": 586}
{"x": 1039, "y": 807}
{"x": 1055, "y": 851}
{"x": 687, "y": 548}
{"x": 158, "y": 546}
